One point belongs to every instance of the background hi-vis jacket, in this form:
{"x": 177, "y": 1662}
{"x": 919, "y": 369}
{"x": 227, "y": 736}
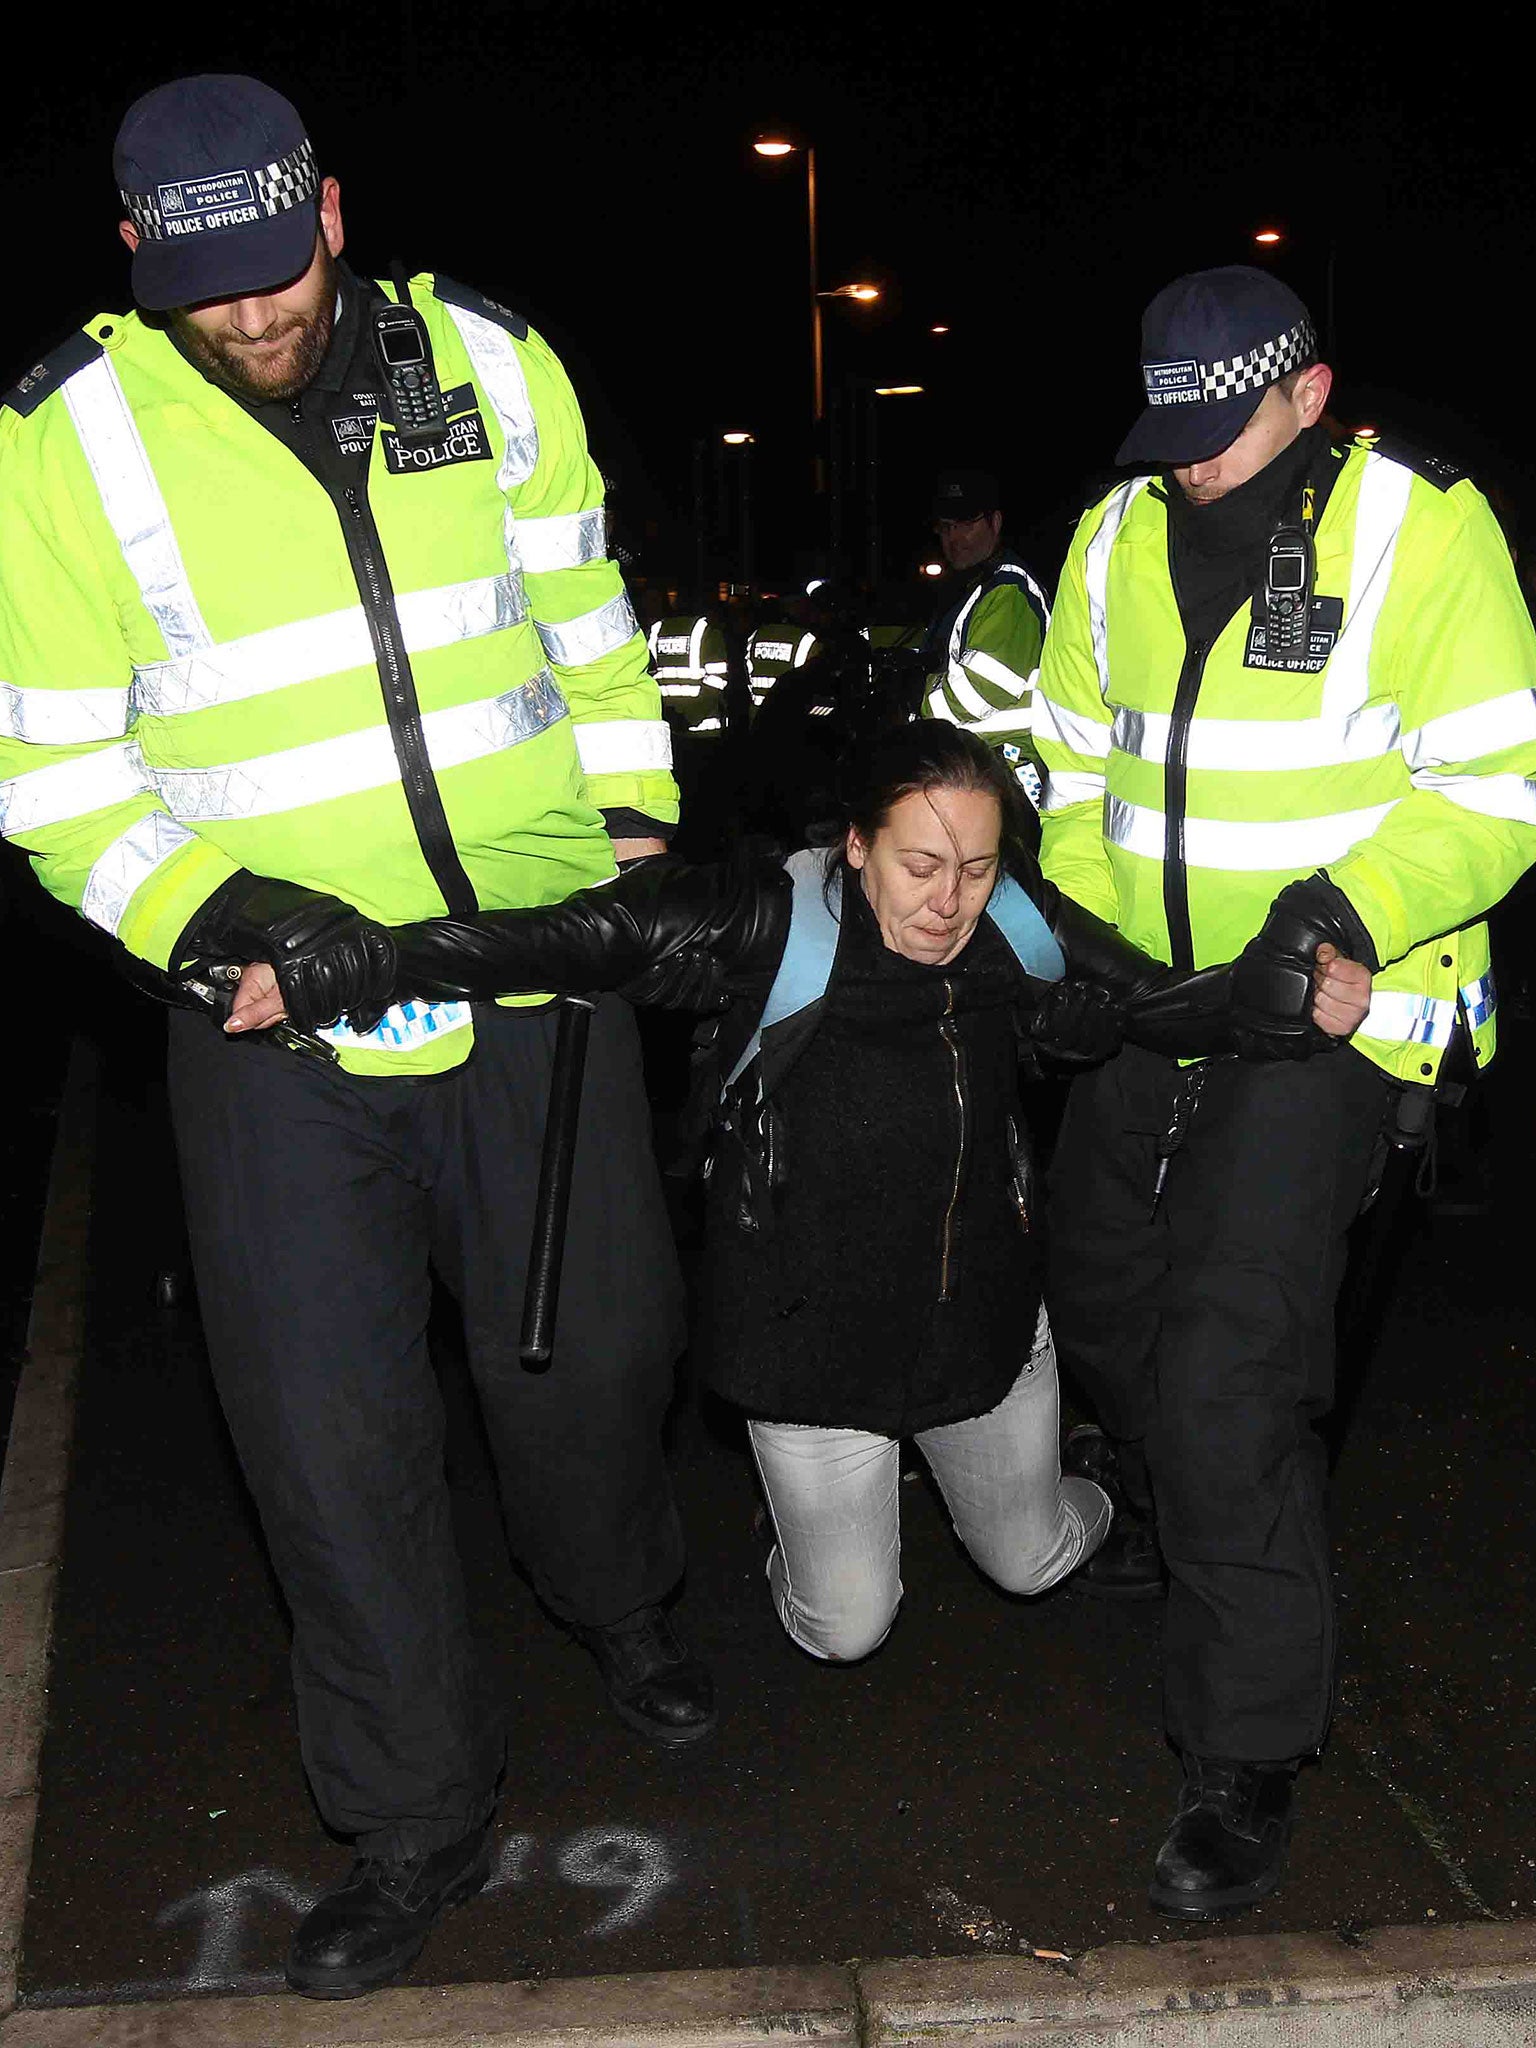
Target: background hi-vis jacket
{"x": 985, "y": 656}
{"x": 1397, "y": 758}
{"x": 207, "y": 655}
{"x": 772, "y": 651}
{"x": 690, "y": 664}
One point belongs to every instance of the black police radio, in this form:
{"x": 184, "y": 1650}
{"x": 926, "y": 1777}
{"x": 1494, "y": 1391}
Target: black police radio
{"x": 404, "y": 350}
{"x": 1287, "y": 596}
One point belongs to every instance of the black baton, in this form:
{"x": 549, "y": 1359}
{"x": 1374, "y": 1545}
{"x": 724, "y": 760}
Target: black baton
{"x": 541, "y": 1301}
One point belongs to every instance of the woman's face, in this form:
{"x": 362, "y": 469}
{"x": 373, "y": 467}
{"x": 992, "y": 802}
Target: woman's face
{"x": 929, "y": 870}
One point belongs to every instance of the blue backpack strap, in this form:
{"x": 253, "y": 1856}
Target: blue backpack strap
{"x": 809, "y": 951}
{"x": 815, "y": 927}
{"x": 1034, "y": 945}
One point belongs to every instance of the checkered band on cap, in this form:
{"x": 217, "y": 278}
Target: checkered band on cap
{"x": 277, "y": 187}
{"x": 290, "y": 181}
{"x": 1174, "y": 383}
{"x": 1263, "y": 365}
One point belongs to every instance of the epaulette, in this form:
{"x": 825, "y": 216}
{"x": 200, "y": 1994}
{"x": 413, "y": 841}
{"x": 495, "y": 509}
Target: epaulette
{"x": 1435, "y": 469}
{"x": 452, "y": 293}
{"x": 44, "y": 378}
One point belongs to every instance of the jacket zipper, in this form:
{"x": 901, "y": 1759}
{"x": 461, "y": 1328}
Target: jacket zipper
{"x": 1176, "y": 805}
{"x": 950, "y": 1035}
{"x": 422, "y": 795}
{"x": 424, "y": 800}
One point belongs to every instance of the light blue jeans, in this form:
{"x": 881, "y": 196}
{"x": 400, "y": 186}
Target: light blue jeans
{"x": 834, "y": 1498}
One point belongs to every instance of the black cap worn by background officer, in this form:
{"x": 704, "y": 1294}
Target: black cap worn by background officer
{"x": 964, "y": 494}
{"x": 1212, "y": 344}
{"x": 222, "y": 183}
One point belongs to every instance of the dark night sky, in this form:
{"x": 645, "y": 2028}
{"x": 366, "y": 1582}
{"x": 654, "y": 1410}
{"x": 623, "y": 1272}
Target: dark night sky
{"x": 1029, "y": 176}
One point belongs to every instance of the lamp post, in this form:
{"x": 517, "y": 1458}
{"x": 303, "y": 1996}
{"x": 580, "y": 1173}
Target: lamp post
{"x": 743, "y": 443}
{"x": 777, "y": 146}
{"x": 1272, "y": 238}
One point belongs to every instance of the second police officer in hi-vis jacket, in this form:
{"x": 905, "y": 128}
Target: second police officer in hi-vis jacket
{"x": 1285, "y": 711}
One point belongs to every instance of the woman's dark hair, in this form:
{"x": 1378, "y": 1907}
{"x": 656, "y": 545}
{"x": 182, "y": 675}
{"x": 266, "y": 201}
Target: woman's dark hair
{"x": 932, "y": 754}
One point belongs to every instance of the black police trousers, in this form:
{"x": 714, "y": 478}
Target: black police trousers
{"x": 1205, "y": 1338}
{"x": 316, "y": 1203}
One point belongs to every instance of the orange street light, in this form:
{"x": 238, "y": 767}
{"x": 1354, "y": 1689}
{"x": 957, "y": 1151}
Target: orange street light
{"x": 773, "y": 145}
{"x": 898, "y": 390}
{"x": 864, "y": 292}
{"x": 1269, "y": 236}
{"x": 938, "y": 330}
{"x": 737, "y": 440}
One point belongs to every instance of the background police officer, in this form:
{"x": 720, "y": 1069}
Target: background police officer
{"x": 983, "y": 647}
{"x": 1286, "y": 714}
{"x": 357, "y": 681}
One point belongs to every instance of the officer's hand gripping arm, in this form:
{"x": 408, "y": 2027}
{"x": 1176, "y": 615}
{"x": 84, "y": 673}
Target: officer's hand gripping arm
{"x": 1273, "y": 978}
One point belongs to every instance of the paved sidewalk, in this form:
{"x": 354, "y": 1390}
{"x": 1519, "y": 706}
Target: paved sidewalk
{"x": 990, "y": 1785}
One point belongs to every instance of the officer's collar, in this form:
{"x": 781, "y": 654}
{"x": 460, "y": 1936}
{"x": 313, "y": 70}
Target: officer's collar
{"x": 351, "y": 304}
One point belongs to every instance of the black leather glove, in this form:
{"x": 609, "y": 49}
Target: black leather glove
{"x": 1077, "y": 1023}
{"x": 330, "y": 961}
{"x": 662, "y": 932}
{"x": 1272, "y": 989}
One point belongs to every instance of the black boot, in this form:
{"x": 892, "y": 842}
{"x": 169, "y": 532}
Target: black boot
{"x": 1229, "y": 1838}
{"x": 655, "y": 1685}
{"x": 1128, "y": 1564}
{"x": 375, "y": 1925}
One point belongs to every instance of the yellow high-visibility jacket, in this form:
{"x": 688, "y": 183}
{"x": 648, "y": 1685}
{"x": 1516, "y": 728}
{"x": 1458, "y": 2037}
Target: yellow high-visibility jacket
{"x": 208, "y": 657}
{"x": 1397, "y": 757}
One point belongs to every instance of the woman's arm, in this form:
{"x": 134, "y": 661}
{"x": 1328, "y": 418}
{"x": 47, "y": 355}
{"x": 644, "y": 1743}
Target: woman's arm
{"x": 662, "y": 932}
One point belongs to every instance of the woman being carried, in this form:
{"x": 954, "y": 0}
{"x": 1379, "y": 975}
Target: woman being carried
{"x": 873, "y": 1266}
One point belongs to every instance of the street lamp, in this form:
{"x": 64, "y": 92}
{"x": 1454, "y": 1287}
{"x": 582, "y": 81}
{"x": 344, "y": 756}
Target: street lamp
{"x": 938, "y": 330}
{"x": 737, "y": 440}
{"x": 1269, "y": 237}
{"x": 898, "y": 391}
{"x": 781, "y": 145}
{"x": 863, "y": 292}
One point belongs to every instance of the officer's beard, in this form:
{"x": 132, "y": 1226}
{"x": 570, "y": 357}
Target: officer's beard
{"x": 280, "y": 363}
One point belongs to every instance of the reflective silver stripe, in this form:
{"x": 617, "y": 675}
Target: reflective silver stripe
{"x": 1379, "y": 511}
{"x": 1263, "y": 743}
{"x": 1073, "y": 730}
{"x": 681, "y": 689}
{"x": 1005, "y": 718}
{"x": 965, "y": 694}
{"x": 707, "y": 725}
{"x": 500, "y": 373}
{"x": 624, "y": 746}
{"x": 991, "y": 670}
{"x": 561, "y": 540}
{"x": 304, "y": 650}
{"x": 1490, "y": 796}
{"x": 939, "y": 706}
{"x": 1064, "y": 786}
{"x": 1294, "y": 843}
{"x": 957, "y": 631}
{"x": 353, "y": 762}
{"x": 72, "y": 789}
{"x": 590, "y": 636}
{"x": 62, "y": 718}
{"x": 127, "y": 864}
{"x": 807, "y": 642}
{"x": 1398, "y": 1018}
{"x": 135, "y": 508}
{"x": 1468, "y": 734}
{"x": 1096, "y": 573}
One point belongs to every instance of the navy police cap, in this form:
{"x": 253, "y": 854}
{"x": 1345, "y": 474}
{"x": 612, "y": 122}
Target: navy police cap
{"x": 1211, "y": 345}
{"x": 221, "y": 181}
{"x": 965, "y": 494}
